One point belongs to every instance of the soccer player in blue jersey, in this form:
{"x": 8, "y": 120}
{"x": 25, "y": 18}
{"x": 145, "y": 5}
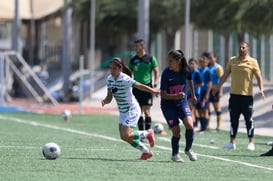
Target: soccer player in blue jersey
{"x": 203, "y": 105}
{"x": 174, "y": 104}
{"x": 217, "y": 72}
{"x": 119, "y": 86}
{"x": 197, "y": 83}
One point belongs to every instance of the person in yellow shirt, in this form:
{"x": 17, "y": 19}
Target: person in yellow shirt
{"x": 242, "y": 68}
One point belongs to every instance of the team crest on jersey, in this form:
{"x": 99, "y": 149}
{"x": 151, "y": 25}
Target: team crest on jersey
{"x": 136, "y": 61}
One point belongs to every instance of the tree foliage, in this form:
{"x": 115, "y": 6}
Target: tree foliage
{"x": 121, "y": 15}
{"x": 258, "y": 18}
{"x": 117, "y": 16}
{"x": 253, "y": 16}
{"x": 167, "y": 15}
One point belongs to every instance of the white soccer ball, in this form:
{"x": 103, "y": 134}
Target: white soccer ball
{"x": 158, "y": 128}
{"x": 51, "y": 151}
{"x": 212, "y": 141}
{"x": 67, "y": 114}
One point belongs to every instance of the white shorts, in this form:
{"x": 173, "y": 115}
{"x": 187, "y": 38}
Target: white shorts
{"x": 130, "y": 118}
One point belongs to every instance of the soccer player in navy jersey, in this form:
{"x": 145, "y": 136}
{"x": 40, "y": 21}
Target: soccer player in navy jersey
{"x": 174, "y": 103}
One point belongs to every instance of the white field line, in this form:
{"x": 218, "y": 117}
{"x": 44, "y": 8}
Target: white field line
{"x": 33, "y": 123}
{"x": 21, "y": 147}
{"x": 223, "y": 159}
{"x": 66, "y": 148}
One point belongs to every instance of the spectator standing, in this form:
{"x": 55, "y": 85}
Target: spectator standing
{"x": 242, "y": 68}
{"x": 174, "y": 104}
{"x": 142, "y": 66}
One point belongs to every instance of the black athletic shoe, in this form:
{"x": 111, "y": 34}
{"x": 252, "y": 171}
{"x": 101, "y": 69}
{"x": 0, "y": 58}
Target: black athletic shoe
{"x": 269, "y": 153}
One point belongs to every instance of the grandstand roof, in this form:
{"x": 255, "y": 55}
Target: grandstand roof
{"x": 41, "y": 8}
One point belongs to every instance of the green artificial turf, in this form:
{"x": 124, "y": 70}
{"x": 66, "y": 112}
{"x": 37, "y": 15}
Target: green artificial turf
{"x": 92, "y": 150}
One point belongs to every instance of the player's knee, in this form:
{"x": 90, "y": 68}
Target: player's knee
{"x": 126, "y": 137}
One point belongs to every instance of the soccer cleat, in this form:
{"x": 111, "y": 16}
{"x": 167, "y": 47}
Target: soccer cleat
{"x": 201, "y": 132}
{"x": 146, "y": 156}
{"x": 251, "y": 146}
{"x": 151, "y": 137}
{"x": 177, "y": 158}
{"x": 269, "y": 153}
{"x": 192, "y": 156}
{"x": 230, "y": 146}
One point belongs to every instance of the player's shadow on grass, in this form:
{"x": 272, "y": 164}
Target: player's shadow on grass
{"x": 115, "y": 160}
{"x": 238, "y": 155}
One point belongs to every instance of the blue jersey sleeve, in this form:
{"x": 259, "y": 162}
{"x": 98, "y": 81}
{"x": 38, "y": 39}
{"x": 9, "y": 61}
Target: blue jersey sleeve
{"x": 189, "y": 76}
{"x": 208, "y": 76}
{"x": 198, "y": 78}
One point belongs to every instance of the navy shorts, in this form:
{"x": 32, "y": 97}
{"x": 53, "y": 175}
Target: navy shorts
{"x": 214, "y": 98}
{"x": 202, "y": 104}
{"x": 189, "y": 98}
{"x": 143, "y": 98}
{"x": 172, "y": 114}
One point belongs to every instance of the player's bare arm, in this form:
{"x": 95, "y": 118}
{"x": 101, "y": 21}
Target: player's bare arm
{"x": 146, "y": 88}
{"x": 260, "y": 84}
{"x": 222, "y": 80}
{"x": 156, "y": 76}
{"x": 107, "y": 99}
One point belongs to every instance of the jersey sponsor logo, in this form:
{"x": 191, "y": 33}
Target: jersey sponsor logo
{"x": 176, "y": 89}
{"x": 114, "y": 90}
{"x": 187, "y": 109}
{"x": 127, "y": 121}
{"x": 150, "y": 101}
{"x": 171, "y": 122}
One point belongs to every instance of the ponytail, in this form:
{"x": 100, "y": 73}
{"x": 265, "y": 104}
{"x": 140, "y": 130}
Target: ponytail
{"x": 120, "y": 64}
{"x": 179, "y": 55}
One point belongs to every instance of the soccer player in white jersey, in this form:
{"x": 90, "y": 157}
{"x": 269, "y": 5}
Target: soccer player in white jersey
{"x": 119, "y": 86}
